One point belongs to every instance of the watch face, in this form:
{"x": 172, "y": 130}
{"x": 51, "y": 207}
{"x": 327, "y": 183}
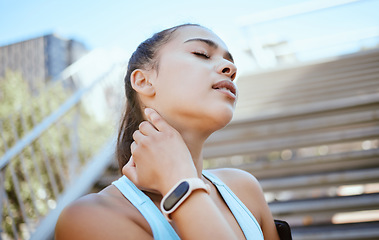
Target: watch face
{"x": 176, "y": 195}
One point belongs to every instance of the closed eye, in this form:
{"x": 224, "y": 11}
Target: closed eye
{"x": 202, "y": 54}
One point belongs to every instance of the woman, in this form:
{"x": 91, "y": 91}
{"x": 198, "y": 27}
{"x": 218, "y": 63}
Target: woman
{"x": 179, "y": 88}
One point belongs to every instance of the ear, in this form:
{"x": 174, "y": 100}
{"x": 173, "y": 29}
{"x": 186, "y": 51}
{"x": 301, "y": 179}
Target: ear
{"x": 140, "y": 82}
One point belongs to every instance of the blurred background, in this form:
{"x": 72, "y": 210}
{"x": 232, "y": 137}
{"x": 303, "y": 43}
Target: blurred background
{"x": 306, "y": 123}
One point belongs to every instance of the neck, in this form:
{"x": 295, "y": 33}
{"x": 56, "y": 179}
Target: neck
{"x": 195, "y": 143}
{"x": 194, "y": 133}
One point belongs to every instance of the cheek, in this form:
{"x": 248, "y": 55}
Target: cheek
{"x": 185, "y": 81}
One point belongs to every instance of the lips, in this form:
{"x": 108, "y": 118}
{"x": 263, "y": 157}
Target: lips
{"x": 226, "y": 86}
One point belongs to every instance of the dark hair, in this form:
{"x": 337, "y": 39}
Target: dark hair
{"x": 145, "y": 57}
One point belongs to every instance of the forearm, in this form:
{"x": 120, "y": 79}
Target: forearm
{"x": 199, "y": 218}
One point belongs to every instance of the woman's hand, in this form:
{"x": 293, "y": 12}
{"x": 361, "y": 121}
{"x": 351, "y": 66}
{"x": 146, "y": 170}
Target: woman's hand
{"x": 160, "y": 157}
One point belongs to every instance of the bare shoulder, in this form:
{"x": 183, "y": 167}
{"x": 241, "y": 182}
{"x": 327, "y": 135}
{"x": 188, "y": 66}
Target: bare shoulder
{"x": 245, "y": 186}
{"x": 104, "y": 215}
{"x": 237, "y": 179}
{"x": 248, "y": 190}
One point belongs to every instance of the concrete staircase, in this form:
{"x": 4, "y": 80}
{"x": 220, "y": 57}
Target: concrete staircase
{"x": 309, "y": 133}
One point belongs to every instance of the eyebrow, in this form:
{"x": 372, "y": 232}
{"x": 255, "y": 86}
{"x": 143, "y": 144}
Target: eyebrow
{"x": 211, "y": 44}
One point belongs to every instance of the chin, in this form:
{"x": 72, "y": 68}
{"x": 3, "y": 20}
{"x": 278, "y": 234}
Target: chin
{"x": 222, "y": 118}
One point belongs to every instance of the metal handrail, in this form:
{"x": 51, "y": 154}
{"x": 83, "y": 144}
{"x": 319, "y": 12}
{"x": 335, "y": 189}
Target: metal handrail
{"x": 92, "y": 171}
{"x": 289, "y": 11}
{"x": 46, "y": 123}
{"x": 56, "y": 179}
{"x": 332, "y": 40}
{"x": 270, "y": 54}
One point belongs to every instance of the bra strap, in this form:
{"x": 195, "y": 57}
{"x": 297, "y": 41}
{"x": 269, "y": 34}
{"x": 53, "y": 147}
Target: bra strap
{"x": 160, "y": 227}
{"x": 241, "y": 213}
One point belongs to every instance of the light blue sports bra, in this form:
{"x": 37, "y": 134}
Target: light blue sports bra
{"x": 161, "y": 228}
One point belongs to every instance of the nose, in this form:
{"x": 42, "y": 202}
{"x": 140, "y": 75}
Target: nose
{"x": 228, "y": 69}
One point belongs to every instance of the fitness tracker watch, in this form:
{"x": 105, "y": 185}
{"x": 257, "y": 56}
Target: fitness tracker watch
{"x": 180, "y": 192}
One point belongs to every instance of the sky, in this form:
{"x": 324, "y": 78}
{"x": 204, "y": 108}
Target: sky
{"x": 125, "y": 23}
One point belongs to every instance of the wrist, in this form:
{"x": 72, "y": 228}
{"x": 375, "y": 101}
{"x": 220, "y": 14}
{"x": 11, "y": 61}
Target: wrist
{"x": 179, "y": 193}
{"x": 172, "y": 180}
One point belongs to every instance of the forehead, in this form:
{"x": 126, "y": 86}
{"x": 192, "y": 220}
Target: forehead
{"x": 183, "y": 34}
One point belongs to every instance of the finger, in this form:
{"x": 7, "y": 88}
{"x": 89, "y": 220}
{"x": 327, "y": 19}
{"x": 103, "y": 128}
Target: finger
{"x": 146, "y": 128}
{"x": 138, "y": 136}
{"x": 156, "y": 120}
{"x": 133, "y": 147}
{"x": 130, "y": 170}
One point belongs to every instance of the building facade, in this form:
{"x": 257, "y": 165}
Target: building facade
{"x": 40, "y": 59}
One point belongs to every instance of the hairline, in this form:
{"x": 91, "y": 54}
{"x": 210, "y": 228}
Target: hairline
{"x": 171, "y": 35}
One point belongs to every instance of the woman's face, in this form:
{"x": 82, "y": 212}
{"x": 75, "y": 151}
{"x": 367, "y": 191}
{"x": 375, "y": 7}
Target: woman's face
{"x": 194, "y": 80}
